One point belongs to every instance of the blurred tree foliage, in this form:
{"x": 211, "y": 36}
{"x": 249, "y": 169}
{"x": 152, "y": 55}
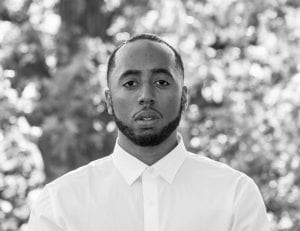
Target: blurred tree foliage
{"x": 242, "y": 69}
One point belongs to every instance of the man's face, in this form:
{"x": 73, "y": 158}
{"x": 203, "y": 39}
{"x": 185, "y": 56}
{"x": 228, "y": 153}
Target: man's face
{"x": 146, "y": 93}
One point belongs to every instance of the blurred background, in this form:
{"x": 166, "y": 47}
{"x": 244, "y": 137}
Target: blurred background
{"x": 242, "y": 61}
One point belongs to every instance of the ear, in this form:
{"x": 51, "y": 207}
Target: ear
{"x": 108, "y": 101}
{"x": 184, "y": 99}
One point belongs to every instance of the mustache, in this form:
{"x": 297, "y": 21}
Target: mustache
{"x": 147, "y": 109}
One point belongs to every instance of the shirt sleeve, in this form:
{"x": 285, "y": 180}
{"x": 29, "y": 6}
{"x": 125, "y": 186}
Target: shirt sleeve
{"x": 249, "y": 210}
{"x": 42, "y": 215}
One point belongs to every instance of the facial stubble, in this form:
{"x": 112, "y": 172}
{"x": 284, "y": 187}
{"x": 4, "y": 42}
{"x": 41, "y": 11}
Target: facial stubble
{"x": 148, "y": 139}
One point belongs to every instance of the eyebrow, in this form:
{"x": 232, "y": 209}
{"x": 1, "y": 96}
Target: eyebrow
{"x": 161, "y": 71}
{"x": 130, "y": 72}
{"x": 153, "y": 71}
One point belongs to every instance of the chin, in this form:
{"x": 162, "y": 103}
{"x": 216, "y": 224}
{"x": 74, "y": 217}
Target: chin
{"x": 145, "y": 134}
{"x": 146, "y": 130}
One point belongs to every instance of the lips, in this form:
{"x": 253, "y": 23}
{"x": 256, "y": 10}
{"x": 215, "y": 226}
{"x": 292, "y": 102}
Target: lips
{"x": 147, "y": 118}
{"x": 147, "y": 115}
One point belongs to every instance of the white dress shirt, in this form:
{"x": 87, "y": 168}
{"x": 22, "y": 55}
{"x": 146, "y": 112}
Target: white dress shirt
{"x": 182, "y": 191}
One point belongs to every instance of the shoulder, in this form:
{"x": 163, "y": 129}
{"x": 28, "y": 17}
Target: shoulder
{"x": 63, "y": 193}
{"x": 83, "y": 175}
{"x": 212, "y": 168}
{"x": 217, "y": 176}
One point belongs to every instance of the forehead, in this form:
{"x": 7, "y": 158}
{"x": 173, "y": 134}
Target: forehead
{"x": 143, "y": 54}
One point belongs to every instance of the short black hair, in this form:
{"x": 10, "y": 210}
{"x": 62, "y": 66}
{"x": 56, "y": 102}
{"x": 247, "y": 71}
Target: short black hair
{"x": 151, "y": 37}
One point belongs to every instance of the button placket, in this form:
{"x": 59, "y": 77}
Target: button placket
{"x": 149, "y": 181}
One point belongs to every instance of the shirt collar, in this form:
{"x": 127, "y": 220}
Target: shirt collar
{"x": 167, "y": 167}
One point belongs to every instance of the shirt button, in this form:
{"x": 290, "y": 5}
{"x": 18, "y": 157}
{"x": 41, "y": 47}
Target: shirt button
{"x": 151, "y": 170}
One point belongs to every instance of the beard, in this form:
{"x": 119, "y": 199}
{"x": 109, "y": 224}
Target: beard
{"x": 148, "y": 139}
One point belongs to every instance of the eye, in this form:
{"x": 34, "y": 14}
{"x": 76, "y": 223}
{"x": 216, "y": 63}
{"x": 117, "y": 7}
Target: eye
{"x": 162, "y": 83}
{"x": 130, "y": 84}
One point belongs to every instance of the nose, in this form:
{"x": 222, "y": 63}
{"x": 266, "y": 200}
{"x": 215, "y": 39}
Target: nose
{"x": 146, "y": 95}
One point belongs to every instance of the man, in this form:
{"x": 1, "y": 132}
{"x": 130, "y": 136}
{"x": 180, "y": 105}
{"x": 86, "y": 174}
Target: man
{"x": 150, "y": 182}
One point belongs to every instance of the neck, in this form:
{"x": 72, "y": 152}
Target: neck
{"x": 148, "y": 154}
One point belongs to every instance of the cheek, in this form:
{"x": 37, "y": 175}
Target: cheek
{"x": 123, "y": 106}
{"x": 171, "y": 106}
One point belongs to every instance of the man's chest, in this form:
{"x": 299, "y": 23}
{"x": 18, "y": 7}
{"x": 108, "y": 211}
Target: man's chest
{"x": 153, "y": 207}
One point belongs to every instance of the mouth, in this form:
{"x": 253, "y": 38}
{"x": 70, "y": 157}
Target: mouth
{"x": 147, "y": 118}
{"x": 147, "y": 123}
